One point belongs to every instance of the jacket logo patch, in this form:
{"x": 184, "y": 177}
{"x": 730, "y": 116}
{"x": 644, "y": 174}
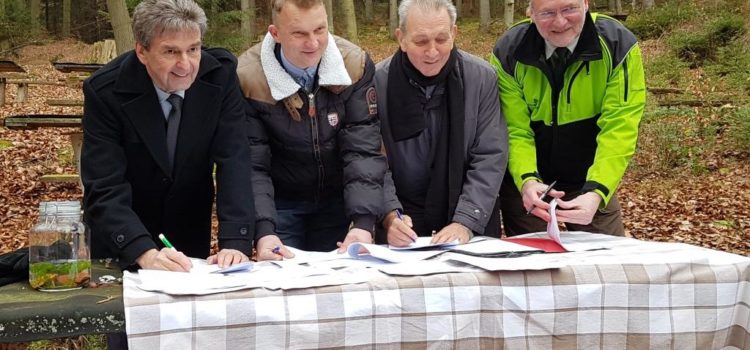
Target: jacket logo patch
{"x": 372, "y": 101}
{"x": 333, "y": 119}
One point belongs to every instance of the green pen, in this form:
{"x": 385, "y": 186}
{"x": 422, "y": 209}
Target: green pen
{"x": 165, "y": 241}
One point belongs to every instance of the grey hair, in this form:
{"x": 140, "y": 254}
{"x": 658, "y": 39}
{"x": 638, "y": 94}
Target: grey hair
{"x": 426, "y": 6}
{"x": 154, "y": 17}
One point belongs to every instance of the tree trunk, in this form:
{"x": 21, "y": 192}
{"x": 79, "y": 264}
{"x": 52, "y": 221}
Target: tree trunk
{"x": 618, "y": 7}
{"x": 2, "y": 9}
{"x": 34, "y": 11}
{"x": 65, "y": 32}
{"x": 484, "y": 15}
{"x": 350, "y": 18}
{"x": 248, "y": 20}
{"x": 612, "y": 6}
{"x": 459, "y": 8}
{"x": 393, "y": 17}
{"x": 648, "y": 4}
{"x": 368, "y": 10}
{"x": 121, "y": 26}
{"x": 329, "y": 11}
{"x": 508, "y": 12}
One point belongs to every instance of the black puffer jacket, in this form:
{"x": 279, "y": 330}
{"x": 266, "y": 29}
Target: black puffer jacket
{"x": 298, "y": 155}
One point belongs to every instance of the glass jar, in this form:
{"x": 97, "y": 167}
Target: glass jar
{"x": 59, "y": 256}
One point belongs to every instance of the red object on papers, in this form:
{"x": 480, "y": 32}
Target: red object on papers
{"x": 548, "y": 245}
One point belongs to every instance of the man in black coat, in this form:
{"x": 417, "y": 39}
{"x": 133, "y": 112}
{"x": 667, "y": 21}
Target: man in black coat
{"x": 157, "y": 122}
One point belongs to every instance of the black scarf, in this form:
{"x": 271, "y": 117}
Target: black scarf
{"x": 406, "y": 104}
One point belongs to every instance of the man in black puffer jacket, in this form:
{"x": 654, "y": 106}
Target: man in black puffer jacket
{"x": 314, "y": 134}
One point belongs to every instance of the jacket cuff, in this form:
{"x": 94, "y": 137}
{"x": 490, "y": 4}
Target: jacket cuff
{"x": 601, "y": 190}
{"x": 468, "y": 221}
{"x": 236, "y": 235}
{"x": 264, "y": 228}
{"x": 134, "y": 249}
{"x": 365, "y": 222}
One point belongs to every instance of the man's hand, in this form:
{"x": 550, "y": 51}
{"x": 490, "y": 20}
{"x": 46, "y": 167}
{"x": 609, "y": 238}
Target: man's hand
{"x": 452, "y": 232}
{"x": 399, "y": 231}
{"x": 579, "y": 210}
{"x": 165, "y": 259}
{"x": 227, "y": 257}
{"x": 354, "y": 235}
{"x": 531, "y": 192}
{"x": 270, "y": 248}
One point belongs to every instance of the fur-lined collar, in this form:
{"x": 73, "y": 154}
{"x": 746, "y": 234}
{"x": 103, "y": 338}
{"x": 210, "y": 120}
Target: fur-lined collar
{"x": 331, "y": 71}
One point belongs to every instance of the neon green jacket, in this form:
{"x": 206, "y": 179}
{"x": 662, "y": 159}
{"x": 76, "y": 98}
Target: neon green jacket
{"x": 582, "y": 132}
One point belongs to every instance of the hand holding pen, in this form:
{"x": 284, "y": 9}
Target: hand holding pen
{"x": 398, "y": 229}
{"x": 164, "y": 259}
{"x": 534, "y": 193}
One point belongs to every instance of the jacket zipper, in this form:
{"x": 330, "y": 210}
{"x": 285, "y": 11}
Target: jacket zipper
{"x": 573, "y": 78}
{"x": 625, "y": 70}
{"x": 314, "y": 130}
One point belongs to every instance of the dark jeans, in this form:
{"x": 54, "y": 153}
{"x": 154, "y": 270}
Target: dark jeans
{"x": 515, "y": 221}
{"x": 311, "y": 226}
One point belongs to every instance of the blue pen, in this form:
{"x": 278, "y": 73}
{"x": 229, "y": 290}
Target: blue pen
{"x": 276, "y": 250}
{"x": 398, "y": 215}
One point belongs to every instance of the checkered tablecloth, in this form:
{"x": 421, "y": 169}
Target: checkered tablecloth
{"x": 615, "y": 302}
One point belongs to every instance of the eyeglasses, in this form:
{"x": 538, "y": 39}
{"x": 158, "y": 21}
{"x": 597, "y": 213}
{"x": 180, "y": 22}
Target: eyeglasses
{"x": 566, "y": 12}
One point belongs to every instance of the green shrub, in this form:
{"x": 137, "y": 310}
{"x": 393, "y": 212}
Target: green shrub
{"x": 739, "y": 130}
{"x": 697, "y": 45}
{"x": 732, "y": 67}
{"x": 653, "y": 23}
{"x": 665, "y": 70}
{"x": 726, "y": 28}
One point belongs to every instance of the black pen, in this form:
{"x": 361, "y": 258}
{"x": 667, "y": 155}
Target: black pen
{"x": 544, "y": 195}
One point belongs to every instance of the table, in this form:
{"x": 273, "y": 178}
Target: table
{"x": 634, "y": 295}
{"x": 29, "y": 315}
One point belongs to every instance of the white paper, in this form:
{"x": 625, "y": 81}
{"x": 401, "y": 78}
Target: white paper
{"x": 553, "y": 230}
{"x": 428, "y": 267}
{"x": 424, "y": 242}
{"x": 529, "y": 262}
{"x": 395, "y": 256}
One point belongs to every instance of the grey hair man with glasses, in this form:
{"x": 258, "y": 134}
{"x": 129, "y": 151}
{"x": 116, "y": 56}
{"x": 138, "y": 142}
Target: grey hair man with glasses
{"x": 573, "y": 91}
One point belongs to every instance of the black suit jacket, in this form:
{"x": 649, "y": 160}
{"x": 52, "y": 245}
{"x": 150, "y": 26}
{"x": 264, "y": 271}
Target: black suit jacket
{"x": 130, "y": 196}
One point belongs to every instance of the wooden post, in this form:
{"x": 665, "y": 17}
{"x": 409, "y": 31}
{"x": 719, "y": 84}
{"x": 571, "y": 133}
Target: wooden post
{"x": 23, "y": 90}
{"x": 2, "y": 91}
{"x": 76, "y": 140}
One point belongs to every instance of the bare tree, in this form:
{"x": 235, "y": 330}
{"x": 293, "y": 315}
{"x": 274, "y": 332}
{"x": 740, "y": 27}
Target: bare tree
{"x": 66, "y": 8}
{"x": 648, "y": 4}
{"x": 508, "y": 12}
{"x": 329, "y": 10}
{"x": 368, "y": 10}
{"x": 34, "y": 11}
{"x": 459, "y": 8}
{"x": 393, "y": 17}
{"x": 121, "y": 25}
{"x": 484, "y": 15}
{"x": 247, "y": 25}
{"x": 350, "y": 18}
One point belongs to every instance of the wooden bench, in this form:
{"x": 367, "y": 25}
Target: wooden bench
{"x": 34, "y": 121}
{"x": 23, "y": 86}
{"x": 69, "y": 67}
{"x": 65, "y": 103}
{"x": 8, "y": 67}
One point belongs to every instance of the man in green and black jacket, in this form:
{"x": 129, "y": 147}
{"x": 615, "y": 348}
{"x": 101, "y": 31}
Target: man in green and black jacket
{"x": 572, "y": 89}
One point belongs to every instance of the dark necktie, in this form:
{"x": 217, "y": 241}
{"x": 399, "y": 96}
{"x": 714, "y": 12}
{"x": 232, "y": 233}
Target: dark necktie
{"x": 559, "y": 58}
{"x": 173, "y": 125}
{"x": 558, "y": 61}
